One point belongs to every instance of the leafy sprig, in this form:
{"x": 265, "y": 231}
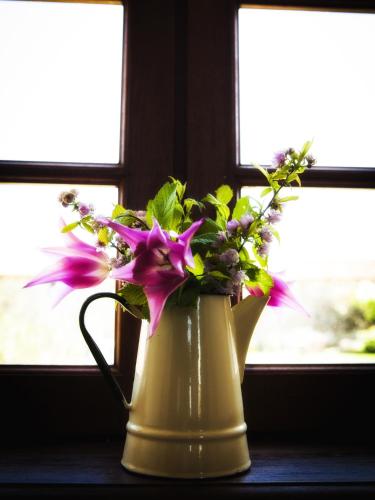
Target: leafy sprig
{"x": 229, "y": 251}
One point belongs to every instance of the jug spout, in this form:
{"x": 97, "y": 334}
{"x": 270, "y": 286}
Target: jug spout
{"x": 246, "y": 314}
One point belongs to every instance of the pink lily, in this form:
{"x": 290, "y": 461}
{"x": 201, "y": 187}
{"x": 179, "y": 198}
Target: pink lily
{"x": 158, "y": 265}
{"x": 280, "y": 295}
{"x": 81, "y": 266}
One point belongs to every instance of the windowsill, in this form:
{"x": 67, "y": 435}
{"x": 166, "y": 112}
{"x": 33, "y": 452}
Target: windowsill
{"x": 94, "y": 470}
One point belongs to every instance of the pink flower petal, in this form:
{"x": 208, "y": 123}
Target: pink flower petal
{"x": 186, "y": 238}
{"x": 157, "y": 297}
{"x": 80, "y": 266}
{"x": 156, "y": 237}
{"x": 280, "y": 295}
{"x": 133, "y": 237}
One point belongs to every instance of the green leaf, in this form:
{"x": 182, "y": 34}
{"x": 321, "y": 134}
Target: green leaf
{"x": 210, "y": 198}
{"x": 208, "y": 226}
{"x": 198, "y": 265}
{"x": 87, "y": 227}
{"x": 178, "y": 215}
{"x": 189, "y": 203}
{"x": 118, "y": 211}
{"x": 149, "y": 212}
{"x": 224, "y": 194}
{"x": 288, "y": 198}
{"x": 222, "y": 210}
{"x": 223, "y": 214}
{"x": 305, "y": 149}
{"x": 259, "y": 278}
{"x": 244, "y": 255}
{"x": 218, "y": 274}
{"x": 180, "y": 188}
{"x": 278, "y": 176}
{"x": 241, "y": 208}
{"x": 252, "y": 273}
{"x": 70, "y": 227}
{"x": 204, "y": 239}
{"x": 134, "y": 294}
{"x": 136, "y": 301}
{"x": 163, "y": 205}
{"x": 103, "y": 235}
{"x": 265, "y": 191}
{"x": 265, "y": 281}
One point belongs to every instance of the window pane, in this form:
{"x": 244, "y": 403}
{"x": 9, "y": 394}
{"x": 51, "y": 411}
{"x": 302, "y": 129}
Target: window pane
{"x": 307, "y": 75}
{"x": 32, "y": 331}
{"x": 60, "y": 85}
{"x": 327, "y": 250}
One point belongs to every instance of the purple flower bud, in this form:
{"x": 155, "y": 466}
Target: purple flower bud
{"x": 274, "y": 216}
{"x": 246, "y": 221}
{"x": 84, "y": 209}
{"x": 237, "y": 276}
{"x": 220, "y": 239}
{"x": 279, "y": 159}
{"x": 264, "y": 249}
{"x": 266, "y": 234}
{"x": 232, "y": 226}
{"x": 230, "y": 257}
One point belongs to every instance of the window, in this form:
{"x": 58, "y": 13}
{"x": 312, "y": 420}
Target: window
{"x": 178, "y": 117}
{"x": 60, "y": 101}
{"x": 61, "y": 81}
{"x": 321, "y": 89}
{"x": 304, "y": 74}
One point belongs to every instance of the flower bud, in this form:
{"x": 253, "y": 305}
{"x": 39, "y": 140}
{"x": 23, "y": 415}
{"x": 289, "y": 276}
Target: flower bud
{"x": 263, "y": 249}
{"x": 84, "y": 209}
{"x": 279, "y": 159}
{"x": 68, "y": 197}
{"x": 274, "y": 216}
{"x": 237, "y": 276}
{"x": 246, "y": 221}
{"x": 310, "y": 161}
{"x": 221, "y": 238}
{"x": 265, "y": 234}
{"x": 230, "y": 257}
{"x": 232, "y": 226}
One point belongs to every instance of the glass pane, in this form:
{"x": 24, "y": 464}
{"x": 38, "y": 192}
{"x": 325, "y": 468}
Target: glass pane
{"x": 307, "y": 75}
{"x": 32, "y": 331}
{"x": 327, "y": 251}
{"x": 60, "y": 85}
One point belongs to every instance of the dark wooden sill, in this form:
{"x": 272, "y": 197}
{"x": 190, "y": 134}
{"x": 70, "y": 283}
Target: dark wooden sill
{"x": 279, "y": 470}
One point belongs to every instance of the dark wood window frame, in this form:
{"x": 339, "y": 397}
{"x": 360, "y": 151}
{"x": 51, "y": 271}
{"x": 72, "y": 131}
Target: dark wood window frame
{"x": 179, "y": 117}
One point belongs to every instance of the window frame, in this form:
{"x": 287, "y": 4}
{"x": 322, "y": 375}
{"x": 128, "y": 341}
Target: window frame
{"x": 187, "y": 50}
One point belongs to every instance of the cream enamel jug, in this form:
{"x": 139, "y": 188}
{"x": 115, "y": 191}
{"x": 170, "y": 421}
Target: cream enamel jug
{"x": 186, "y": 414}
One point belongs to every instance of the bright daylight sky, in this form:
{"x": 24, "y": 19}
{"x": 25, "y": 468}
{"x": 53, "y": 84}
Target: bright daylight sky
{"x": 61, "y": 100}
{"x": 307, "y": 75}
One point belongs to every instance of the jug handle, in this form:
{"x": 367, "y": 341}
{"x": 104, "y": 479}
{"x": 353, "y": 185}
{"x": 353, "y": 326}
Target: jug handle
{"x": 95, "y": 351}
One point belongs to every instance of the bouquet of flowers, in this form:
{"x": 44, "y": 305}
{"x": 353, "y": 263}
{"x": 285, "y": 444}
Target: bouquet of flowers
{"x": 180, "y": 247}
